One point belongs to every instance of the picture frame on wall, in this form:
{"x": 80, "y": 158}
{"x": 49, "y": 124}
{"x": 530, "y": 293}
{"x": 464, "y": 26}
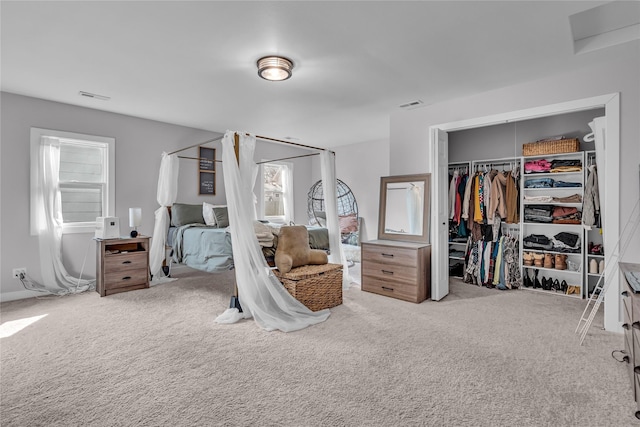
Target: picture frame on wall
{"x": 207, "y": 171}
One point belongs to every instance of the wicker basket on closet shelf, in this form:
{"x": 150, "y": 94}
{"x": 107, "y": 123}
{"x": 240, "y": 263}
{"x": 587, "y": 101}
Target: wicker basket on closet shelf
{"x": 551, "y": 147}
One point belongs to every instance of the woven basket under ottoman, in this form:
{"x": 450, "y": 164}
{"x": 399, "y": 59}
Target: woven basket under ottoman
{"x": 316, "y": 286}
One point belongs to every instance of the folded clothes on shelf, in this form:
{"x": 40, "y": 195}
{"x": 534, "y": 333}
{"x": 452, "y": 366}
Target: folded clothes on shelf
{"x": 564, "y": 184}
{"x": 574, "y": 198}
{"x": 539, "y": 183}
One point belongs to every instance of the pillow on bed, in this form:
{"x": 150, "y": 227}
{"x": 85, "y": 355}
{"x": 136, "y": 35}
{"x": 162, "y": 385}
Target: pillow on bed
{"x": 208, "y": 215}
{"x": 222, "y": 216}
{"x": 183, "y": 214}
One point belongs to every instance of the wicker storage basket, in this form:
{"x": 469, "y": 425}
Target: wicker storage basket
{"x": 550, "y": 147}
{"x": 316, "y": 286}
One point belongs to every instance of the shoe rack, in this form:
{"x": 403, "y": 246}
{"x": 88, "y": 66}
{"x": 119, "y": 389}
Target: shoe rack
{"x": 557, "y": 272}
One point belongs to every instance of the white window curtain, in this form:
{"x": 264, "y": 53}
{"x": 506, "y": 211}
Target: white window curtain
{"x": 166, "y": 195}
{"x": 287, "y": 190}
{"x": 329, "y": 185}
{"x": 55, "y": 277}
{"x": 259, "y": 291}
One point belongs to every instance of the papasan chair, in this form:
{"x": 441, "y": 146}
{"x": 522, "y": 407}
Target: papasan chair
{"x": 350, "y": 222}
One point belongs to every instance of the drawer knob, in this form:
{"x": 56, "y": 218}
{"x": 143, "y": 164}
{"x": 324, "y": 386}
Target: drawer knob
{"x": 387, "y": 272}
{"x": 387, "y": 255}
{"x": 126, "y": 278}
{"x": 126, "y": 262}
{"x": 387, "y": 289}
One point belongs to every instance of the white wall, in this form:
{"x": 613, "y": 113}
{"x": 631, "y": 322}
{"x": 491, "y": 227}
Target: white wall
{"x": 139, "y": 144}
{"x": 410, "y": 129}
{"x": 360, "y": 166}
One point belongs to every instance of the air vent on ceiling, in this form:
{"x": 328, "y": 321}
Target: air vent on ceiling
{"x": 93, "y": 95}
{"x": 413, "y": 104}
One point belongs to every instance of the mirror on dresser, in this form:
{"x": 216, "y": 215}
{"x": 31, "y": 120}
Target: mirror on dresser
{"x": 398, "y": 264}
{"x": 404, "y": 208}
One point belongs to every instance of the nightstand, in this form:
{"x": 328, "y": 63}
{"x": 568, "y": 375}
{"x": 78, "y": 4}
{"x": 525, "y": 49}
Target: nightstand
{"x": 122, "y": 265}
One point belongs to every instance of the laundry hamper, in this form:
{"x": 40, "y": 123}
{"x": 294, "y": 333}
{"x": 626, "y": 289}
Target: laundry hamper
{"x": 316, "y": 286}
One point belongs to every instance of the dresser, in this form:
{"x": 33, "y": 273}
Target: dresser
{"x": 122, "y": 265}
{"x": 397, "y": 269}
{"x": 631, "y": 326}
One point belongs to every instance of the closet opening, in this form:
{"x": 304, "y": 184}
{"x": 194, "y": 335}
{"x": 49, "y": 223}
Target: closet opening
{"x": 496, "y": 142}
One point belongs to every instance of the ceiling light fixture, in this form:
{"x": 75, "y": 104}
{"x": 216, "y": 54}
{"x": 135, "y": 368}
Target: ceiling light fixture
{"x": 275, "y": 68}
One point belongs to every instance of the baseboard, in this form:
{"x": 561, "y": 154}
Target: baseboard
{"x": 12, "y": 296}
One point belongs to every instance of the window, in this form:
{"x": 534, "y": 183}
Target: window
{"x": 86, "y": 178}
{"x": 277, "y": 192}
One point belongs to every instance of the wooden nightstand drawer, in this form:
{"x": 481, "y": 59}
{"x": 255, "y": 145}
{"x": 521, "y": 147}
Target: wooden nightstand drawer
{"x": 124, "y": 278}
{"x": 126, "y": 261}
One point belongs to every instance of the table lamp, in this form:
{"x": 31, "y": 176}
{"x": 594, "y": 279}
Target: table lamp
{"x": 135, "y": 220}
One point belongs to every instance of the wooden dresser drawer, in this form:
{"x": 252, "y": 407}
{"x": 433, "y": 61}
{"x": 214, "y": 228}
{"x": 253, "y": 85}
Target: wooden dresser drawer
{"x": 127, "y": 261}
{"x": 387, "y": 254}
{"x": 390, "y": 272}
{"x": 404, "y": 291}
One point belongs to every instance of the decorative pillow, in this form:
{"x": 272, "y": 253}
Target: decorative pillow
{"x": 208, "y": 215}
{"x": 183, "y": 214}
{"x": 222, "y": 216}
{"x": 348, "y": 223}
{"x": 293, "y": 249}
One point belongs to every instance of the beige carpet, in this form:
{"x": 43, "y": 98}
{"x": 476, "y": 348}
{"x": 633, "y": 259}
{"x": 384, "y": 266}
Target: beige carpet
{"x": 155, "y": 357}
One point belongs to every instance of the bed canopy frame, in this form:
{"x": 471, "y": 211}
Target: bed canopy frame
{"x": 235, "y": 302}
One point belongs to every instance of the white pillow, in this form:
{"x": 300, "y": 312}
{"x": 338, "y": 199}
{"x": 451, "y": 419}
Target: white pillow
{"x": 208, "y": 215}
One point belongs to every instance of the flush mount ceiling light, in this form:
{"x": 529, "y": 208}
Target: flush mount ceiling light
{"x": 274, "y": 68}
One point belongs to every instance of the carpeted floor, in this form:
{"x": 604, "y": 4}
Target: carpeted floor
{"x": 155, "y": 357}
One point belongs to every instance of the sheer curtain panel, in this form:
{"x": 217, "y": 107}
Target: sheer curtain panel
{"x": 55, "y": 277}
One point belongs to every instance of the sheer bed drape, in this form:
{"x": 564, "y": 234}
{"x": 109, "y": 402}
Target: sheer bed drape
{"x": 261, "y": 294}
{"x": 166, "y": 195}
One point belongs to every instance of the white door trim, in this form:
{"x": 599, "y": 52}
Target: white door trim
{"x": 611, "y": 104}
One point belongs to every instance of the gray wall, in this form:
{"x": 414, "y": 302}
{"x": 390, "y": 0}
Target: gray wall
{"x": 139, "y": 144}
{"x": 505, "y": 140}
{"x": 410, "y": 129}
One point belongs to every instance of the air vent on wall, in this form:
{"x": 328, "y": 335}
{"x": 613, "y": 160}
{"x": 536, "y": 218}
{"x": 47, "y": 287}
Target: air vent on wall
{"x": 413, "y": 104}
{"x": 93, "y": 95}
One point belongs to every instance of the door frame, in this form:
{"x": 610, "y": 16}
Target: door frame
{"x": 610, "y": 197}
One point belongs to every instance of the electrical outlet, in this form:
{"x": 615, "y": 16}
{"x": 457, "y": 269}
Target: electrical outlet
{"x": 18, "y": 271}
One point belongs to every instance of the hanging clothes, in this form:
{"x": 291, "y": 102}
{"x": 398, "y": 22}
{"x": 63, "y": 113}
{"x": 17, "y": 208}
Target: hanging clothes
{"x": 591, "y": 204}
{"x": 453, "y": 183}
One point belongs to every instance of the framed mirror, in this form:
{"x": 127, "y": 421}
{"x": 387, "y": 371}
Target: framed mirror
{"x": 404, "y": 208}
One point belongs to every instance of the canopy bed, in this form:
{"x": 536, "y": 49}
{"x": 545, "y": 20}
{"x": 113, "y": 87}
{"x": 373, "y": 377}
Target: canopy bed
{"x": 262, "y": 295}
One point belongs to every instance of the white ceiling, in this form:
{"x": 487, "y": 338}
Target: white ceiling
{"x": 193, "y": 63}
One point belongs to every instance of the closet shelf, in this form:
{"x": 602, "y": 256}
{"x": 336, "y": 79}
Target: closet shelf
{"x": 595, "y": 256}
{"x": 594, "y": 274}
{"x": 552, "y": 224}
{"x": 532, "y": 202}
{"x": 457, "y": 257}
{"x": 543, "y": 251}
{"x": 554, "y": 189}
{"x": 458, "y": 243}
{"x": 551, "y": 292}
{"x": 548, "y": 174}
{"x": 551, "y": 269}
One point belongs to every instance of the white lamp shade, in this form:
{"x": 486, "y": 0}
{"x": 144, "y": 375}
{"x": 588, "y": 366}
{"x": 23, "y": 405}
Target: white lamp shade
{"x": 135, "y": 217}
